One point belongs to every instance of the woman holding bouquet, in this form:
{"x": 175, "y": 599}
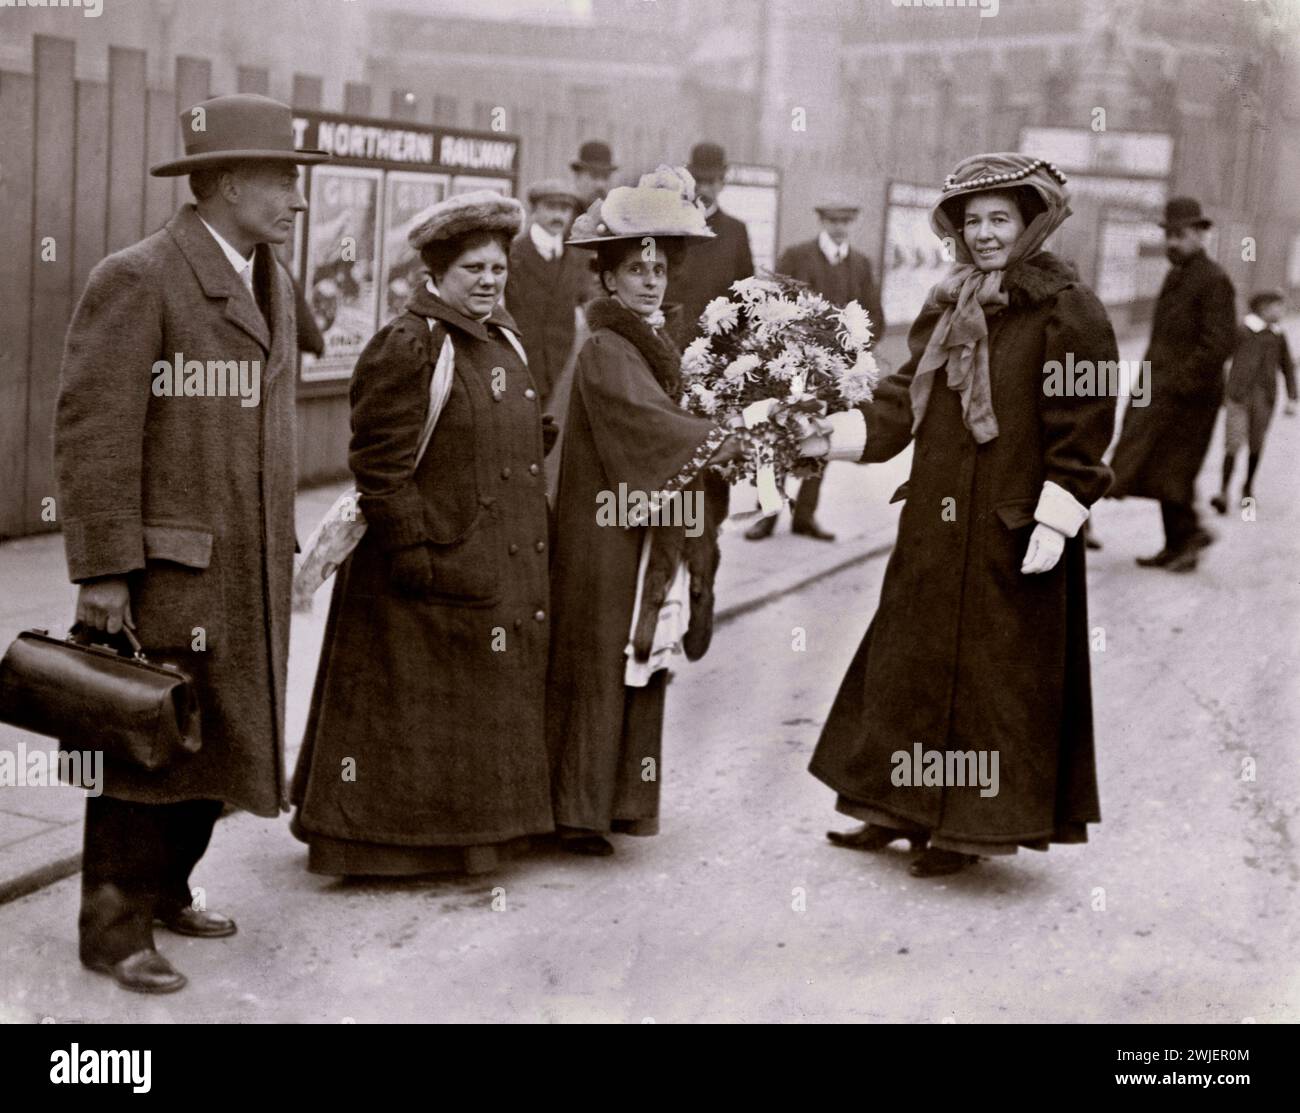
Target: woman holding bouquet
{"x": 626, "y": 595}
{"x": 980, "y": 641}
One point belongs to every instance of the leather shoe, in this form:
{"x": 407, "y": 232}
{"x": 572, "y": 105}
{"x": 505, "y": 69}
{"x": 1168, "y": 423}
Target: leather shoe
{"x": 1163, "y": 557}
{"x": 1201, "y": 539}
{"x": 144, "y": 971}
{"x": 813, "y": 530}
{"x": 761, "y": 529}
{"x": 594, "y": 846}
{"x": 1185, "y": 561}
{"x": 873, "y": 837}
{"x": 939, "y": 863}
{"x": 200, "y": 924}
{"x": 1220, "y": 503}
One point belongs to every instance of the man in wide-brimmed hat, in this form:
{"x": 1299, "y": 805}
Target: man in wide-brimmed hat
{"x": 1163, "y": 444}
{"x": 840, "y": 273}
{"x": 592, "y": 171}
{"x": 174, "y": 448}
{"x": 547, "y": 283}
{"x": 715, "y": 265}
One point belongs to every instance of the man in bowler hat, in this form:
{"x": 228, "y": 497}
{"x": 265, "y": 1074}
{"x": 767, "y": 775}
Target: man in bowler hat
{"x": 713, "y": 265}
{"x": 841, "y": 274}
{"x": 176, "y": 497}
{"x": 1162, "y": 445}
{"x": 592, "y": 171}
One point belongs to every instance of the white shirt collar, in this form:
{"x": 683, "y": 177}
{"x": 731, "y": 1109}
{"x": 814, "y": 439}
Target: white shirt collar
{"x": 834, "y": 252}
{"x": 548, "y": 246}
{"x": 1256, "y": 323}
{"x": 243, "y": 267}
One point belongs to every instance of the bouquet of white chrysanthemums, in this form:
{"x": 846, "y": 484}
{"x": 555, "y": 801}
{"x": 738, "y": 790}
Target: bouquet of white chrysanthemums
{"x": 776, "y": 339}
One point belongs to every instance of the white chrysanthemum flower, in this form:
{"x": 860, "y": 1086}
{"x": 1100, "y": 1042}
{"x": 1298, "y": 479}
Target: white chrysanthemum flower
{"x": 741, "y": 366}
{"x": 855, "y": 327}
{"x": 858, "y": 383}
{"x": 754, "y": 289}
{"x": 707, "y": 401}
{"x": 695, "y": 360}
{"x": 775, "y": 313}
{"x": 785, "y": 366}
{"x": 813, "y": 303}
{"x": 720, "y": 315}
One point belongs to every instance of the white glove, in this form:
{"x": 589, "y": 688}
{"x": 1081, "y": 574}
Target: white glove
{"x": 1045, "y": 548}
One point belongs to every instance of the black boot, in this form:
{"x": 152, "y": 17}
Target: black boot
{"x": 874, "y": 837}
{"x": 939, "y": 863}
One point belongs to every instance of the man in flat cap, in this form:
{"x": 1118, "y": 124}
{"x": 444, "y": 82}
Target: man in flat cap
{"x": 174, "y": 455}
{"x": 841, "y": 274}
{"x": 1163, "y": 444}
{"x": 713, "y": 265}
{"x": 547, "y": 283}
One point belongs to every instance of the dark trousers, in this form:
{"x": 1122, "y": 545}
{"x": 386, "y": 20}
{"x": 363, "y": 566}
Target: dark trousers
{"x": 805, "y": 503}
{"x": 136, "y": 862}
{"x": 1181, "y": 522}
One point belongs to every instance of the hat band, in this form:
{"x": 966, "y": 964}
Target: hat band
{"x": 950, "y": 182}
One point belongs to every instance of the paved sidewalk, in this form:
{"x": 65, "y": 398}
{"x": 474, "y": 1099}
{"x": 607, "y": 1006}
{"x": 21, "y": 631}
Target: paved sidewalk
{"x": 40, "y": 827}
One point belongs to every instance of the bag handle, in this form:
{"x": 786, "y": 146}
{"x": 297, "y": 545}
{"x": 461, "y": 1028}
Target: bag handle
{"x": 80, "y": 634}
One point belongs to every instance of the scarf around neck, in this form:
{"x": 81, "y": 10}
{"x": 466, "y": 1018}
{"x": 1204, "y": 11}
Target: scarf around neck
{"x": 967, "y": 296}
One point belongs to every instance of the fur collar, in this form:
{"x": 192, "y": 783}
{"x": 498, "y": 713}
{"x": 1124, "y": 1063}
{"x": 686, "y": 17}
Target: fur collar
{"x": 1037, "y": 279}
{"x": 655, "y": 348}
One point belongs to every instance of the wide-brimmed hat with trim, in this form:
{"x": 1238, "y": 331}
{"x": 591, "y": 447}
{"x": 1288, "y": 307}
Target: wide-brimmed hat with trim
{"x": 1002, "y": 172}
{"x": 483, "y": 210}
{"x": 240, "y": 127}
{"x": 661, "y": 205}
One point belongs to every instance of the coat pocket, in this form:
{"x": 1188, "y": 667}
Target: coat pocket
{"x": 177, "y": 601}
{"x": 1017, "y": 513}
{"x": 467, "y": 567}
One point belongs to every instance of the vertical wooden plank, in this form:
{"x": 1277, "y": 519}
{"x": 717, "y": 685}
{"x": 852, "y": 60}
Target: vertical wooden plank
{"x": 17, "y": 98}
{"x": 356, "y": 98}
{"x": 253, "y": 79}
{"x": 163, "y": 126}
{"x": 54, "y": 168}
{"x": 307, "y": 91}
{"x": 193, "y": 84}
{"x": 446, "y": 110}
{"x": 90, "y": 194}
{"x": 126, "y": 145}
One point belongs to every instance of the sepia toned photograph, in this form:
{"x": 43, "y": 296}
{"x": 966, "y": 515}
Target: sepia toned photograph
{"x": 602, "y": 512}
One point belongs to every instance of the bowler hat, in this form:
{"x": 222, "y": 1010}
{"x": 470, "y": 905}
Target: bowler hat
{"x": 241, "y": 127}
{"x": 594, "y": 155}
{"x": 708, "y": 161}
{"x": 552, "y": 189}
{"x": 1182, "y": 211}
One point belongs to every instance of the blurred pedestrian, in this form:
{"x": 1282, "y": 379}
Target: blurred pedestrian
{"x": 592, "y": 171}
{"x": 715, "y": 264}
{"x": 1163, "y": 444}
{"x": 965, "y": 719}
{"x": 628, "y": 594}
{"x": 547, "y": 284}
{"x": 840, "y": 273}
{"x": 424, "y": 749}
{"x": 1262, "y": 354}
{"x": 177, "y": 516}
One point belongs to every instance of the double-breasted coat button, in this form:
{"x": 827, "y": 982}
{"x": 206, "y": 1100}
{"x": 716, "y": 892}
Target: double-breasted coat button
{"x": 505, "y": 473}
{"x": 540, "y": 616}
{"x": 533, "y": 469}
{"x": 513, "y": 548}
{"x": 497, "y": 395}
{"x": 530, "y": 393}
{"x": 541, "y": 546}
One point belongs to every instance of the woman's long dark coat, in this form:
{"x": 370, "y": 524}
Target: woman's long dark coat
{"x": 1163, "y": 444}
{"x": 622, "y": 428}
{"x": 965, "y": 651}
{"x": 439, "y": 701}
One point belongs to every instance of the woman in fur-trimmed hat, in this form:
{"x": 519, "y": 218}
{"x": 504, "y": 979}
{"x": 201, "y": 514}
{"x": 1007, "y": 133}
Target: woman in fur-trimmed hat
{"x": 425, "y": 747}
{"x": 965, "y": 719}
{"x": 627, "y": 595}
